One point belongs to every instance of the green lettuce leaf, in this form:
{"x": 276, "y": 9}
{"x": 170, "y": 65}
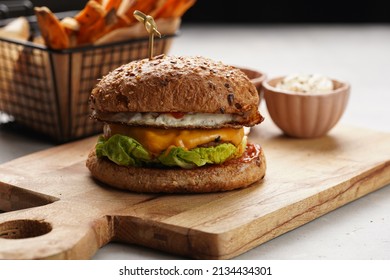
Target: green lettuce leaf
{"x": 126, "y": 151}
{"x": 178, "y": 156}
{"x": 122, "y": 150}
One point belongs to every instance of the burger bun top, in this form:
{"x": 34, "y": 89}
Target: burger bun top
{"x": 167, "y": 84}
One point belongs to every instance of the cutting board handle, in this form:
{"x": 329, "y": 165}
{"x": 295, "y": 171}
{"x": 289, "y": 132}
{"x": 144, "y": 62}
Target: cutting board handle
{"x": 60, "y": 230}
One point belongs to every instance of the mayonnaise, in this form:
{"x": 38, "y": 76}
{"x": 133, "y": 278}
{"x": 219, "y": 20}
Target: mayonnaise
{"x": 304, "y": 83}
{"x": 167, "y": 119}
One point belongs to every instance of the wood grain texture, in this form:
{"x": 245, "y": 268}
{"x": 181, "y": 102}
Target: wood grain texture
{"x": 55, "y": 210}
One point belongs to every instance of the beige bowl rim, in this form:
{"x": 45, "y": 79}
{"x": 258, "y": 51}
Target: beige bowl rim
{"x": 344, "y": 86}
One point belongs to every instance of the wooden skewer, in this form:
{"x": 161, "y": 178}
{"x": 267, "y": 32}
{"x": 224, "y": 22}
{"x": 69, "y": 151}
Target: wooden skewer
{"x": 150, "y": 26}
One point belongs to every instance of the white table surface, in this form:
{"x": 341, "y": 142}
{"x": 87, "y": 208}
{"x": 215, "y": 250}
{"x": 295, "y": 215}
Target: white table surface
{"x": 358, "y": 54}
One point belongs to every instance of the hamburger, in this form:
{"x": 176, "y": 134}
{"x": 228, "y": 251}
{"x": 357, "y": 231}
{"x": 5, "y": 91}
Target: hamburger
{"x": 175, "y": 124}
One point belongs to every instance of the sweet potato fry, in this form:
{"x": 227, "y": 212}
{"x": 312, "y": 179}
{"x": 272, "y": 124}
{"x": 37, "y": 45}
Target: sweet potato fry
{"x": 98, "y": 29}
{"x": 51, "y": 29}
{"x": 122, "y": 21}
{"x": 71, "y": 26}
{"x": 145, "y": 6}
{"x": 112, "y": 4}
{"x": 125, "y": 5}
{"x": 91, "y": 13}
{"x": 99, "y": 17}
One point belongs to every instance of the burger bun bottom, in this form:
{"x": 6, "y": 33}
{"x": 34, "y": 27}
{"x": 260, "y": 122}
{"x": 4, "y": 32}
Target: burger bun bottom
{"x": 234, "y": 174}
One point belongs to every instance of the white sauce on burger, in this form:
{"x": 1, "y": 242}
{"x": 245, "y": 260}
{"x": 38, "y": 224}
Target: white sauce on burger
{"x": 169, "y": 120}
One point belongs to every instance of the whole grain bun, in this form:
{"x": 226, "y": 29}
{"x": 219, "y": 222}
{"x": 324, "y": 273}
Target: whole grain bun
{"x": 177, "y": 84}
{"x": 233, "y": 174}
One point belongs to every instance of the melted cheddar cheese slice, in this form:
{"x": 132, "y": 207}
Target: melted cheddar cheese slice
{"x": 157, "y": 140}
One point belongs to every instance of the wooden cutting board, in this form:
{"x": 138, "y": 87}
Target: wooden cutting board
{"x": 53, "y": 209}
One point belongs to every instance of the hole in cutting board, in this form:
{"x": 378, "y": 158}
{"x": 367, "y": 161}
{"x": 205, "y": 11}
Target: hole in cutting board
{"x": 14, "y": 198}
{"x": 19, "y": 229}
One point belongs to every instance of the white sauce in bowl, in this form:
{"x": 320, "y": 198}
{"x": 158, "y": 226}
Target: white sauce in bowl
{"x": 306, "y": 83}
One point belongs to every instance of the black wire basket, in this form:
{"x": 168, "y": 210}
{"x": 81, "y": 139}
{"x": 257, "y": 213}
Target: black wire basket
{"x": 48, "y": 90}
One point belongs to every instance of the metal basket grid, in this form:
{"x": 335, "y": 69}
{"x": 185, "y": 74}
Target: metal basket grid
{"x": 48, "y": 90}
